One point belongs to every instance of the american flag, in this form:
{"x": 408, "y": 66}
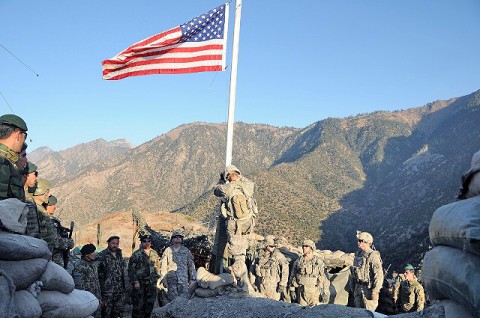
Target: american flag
{"x": 198, "y": 45}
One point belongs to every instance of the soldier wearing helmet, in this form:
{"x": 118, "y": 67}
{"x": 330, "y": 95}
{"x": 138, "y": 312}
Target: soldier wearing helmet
{"x": 177, "y": 267}
{"x": 237, "y": 218}
{"x": 367, "y": 273}
{"x": 271, "y": 270}
{"x": 309, "y": 281}
{"x": 409, "y": 295}
{"x": 13, "y": 132}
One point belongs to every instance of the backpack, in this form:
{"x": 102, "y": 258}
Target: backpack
{"x": 240, "y": 206}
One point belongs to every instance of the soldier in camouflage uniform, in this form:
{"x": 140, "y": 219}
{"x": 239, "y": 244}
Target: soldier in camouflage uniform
{"x": 85, "y": 274}
{"x": 239, "y": 208}
{"x": 143, "y": 271}
{"x": 13, "y": 132}
{"x": 309, "y": 278}
{"x": 48, "y": 228}
{"x": 33, "y": 219}
{"x": 177, "y": 267}
{"x": 367, "y": 273}
{"x": 409, "y": 295}
{"x": 22, "y": 162}
{"x": 271, "y": 270}
{"x": 111, "y": 271}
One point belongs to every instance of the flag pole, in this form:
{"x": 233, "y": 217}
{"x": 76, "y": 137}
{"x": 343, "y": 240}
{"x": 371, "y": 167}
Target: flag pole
{"x": 233, "y": 82}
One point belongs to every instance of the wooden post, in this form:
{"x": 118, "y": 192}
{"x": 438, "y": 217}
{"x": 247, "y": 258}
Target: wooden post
{"x": 99, "y": 234}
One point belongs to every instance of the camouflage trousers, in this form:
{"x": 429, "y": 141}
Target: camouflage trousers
{"x": 113, "y": 305}
{"x": 239, "y": 227}
{"x": 57, "y": 257}
{"x": 308, "y": 295}
{"x": 175, "y": 288}
{"x": 269, "y": 290}
{"x": 143, "y": 300}
{"x": 363, "y": 297}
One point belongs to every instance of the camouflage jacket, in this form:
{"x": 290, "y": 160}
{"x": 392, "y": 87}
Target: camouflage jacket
{"x": 409, "y": 296}
{"x": 367, "y": 270}
{"x": 271, "y": 268}
{"x": 85, "y": 276}
{"x": 310, "y": 273}
{"x": 33, "y": 220}
{"x": 144, "y": 268}
{"x": 11, "y": 183}
{"x": 226, "y": 191}
{"x": 177, "y": 266}
{"x": 111, "y": 272}
{"x": 49, "y": 233}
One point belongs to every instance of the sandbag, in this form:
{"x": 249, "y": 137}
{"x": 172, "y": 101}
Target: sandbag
{"x": 26, "y": 305}
{"x": 24, "y": 273}
{"x": 339, "y": 287}
{"x": 206, "y": 279}
{"x": 457, "y": 225}
{"x": 77, "y": 304}
{"x": 13, "y": 215}
{"x": 207, "y": 292}
{"x": 55, "y": 277}
{"x": 15, "y": 247}
{"x": 7, "y": 292}
{"x": 449, "y": 273}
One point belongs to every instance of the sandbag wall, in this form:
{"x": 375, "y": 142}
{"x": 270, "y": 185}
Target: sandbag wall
{"x": 32, "y": 286}
{"x": 451, "y": 270}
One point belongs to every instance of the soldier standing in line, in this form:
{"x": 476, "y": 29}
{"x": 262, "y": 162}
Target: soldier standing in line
{"x": 309, "y": 278}
{"x": 177, "y": 267}
{"x": 111, "y": 271}
{"x": 30, "y": 177}
{"x": 409, "y": 295}
{"x": 143, "y": 271}
{"x": 271, "y": 270}
{"x": 48, "y": 229}
{"x": 85, "y": 274}
{"x": 239, "y": 208}
{"x": 13, "y": 132}
{"x": 63, "y": 242}
{"x": 367, "y": 273}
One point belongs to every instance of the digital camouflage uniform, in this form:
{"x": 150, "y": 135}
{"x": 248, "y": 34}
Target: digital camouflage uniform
{"x": 309, "y": 277}
{"x": 144, "y": 269}
{"x": 367, "y": 278}
{"x": 238, "y": 229}
{"x": 11, "y": 183}
{"x": 111, "y": 272}
{"x": 409, "y": 296}
{"x": 85, "y": 276}
{"x": 271, "y": 270}
{"x": 177, "y": 270}
{"x": 62, "y": 243}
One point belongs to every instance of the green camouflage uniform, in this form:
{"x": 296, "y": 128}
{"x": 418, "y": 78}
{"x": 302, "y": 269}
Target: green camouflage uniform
{"x": 409, "y": 296}
{"x": 271, "y": 270}
{"x": 144, "y": 269}
{"x": 309, "y": 277}
{"x": 85, "y": 276}
{"x": 367, "y": 278}
{"x": 33, "y": 219}
{"x": 62, "y": 243}
{"x": 111, "y": 272}
{"x": 177, "y": 270}
{"x": 11, "y": 183}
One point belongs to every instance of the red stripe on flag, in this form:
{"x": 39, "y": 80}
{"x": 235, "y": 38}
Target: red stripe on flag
{"x": 142, "y": 44}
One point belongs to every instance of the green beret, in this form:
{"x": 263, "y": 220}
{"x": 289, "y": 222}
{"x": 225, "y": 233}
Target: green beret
{"x": 409, "y": 267}
{"x": 52, "y": 200}
{"x": 13, "y": 120}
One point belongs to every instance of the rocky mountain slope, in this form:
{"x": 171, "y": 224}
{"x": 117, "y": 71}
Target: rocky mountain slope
{"x": 384, "y": 172}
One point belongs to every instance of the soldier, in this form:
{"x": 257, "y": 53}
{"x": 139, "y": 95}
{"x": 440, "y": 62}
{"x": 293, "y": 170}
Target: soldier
{"x": 409, "y": 295}
{"x": 22, "y": 161}
{"x": 13, "y": 132}
{"x": 143, "y": 271}
{"x": 111, "y": 271}
{"x": 51, "y": 205}
{"x": 49, "y": 227}
{"x": 85, "y": 274}
{"x": 33, "y": 220}
{"x": 239, "y": 209}
{"x": 271, "y": 270}
{"x": 367, "y": 273}
{"x": 177, "y": 267}
{"x": 309, "y": 278}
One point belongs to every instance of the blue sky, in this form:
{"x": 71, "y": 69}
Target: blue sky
{"x": 300, "y": 62}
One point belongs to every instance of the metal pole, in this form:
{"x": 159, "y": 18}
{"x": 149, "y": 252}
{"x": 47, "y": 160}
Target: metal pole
{"x": 233, "y": 81}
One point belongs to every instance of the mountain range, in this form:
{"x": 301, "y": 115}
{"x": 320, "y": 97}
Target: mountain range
{"x": 383, "y": 172}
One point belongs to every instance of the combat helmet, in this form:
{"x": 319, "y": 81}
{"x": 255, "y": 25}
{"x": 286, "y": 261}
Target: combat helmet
{"x": 270, "y": 240}
{"x": 42, "y": 187}
{"x": 365, "y": 236}
{"x": 231, "y": 168}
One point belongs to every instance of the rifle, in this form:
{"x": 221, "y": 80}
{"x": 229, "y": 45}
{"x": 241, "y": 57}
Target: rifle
{"x": 66, "y": 253}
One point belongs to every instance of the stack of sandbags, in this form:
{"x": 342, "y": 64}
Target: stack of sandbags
{"x": 451, "y": 270}
{"x": 210, "y": 285}
{"x": 40, "y": 287}
{"x": 337, "y": 259}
